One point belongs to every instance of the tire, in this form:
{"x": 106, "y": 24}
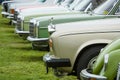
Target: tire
{"x": 87, "y": 55}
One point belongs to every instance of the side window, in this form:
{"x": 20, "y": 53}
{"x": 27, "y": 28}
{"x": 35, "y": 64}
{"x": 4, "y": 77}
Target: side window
{"x": 118, "y": 11}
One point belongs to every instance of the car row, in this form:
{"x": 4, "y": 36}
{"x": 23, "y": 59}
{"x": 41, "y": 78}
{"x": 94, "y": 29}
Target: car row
{"x": 73, "y": 31}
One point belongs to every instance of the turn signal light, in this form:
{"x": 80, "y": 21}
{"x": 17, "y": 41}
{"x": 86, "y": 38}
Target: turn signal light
{"x": 50, "y": 43}
{"x": 12, "y": 11}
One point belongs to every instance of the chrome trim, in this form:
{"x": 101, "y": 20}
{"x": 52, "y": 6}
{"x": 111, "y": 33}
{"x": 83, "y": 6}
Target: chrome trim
{"x": 51, "y": 28}
{"x": 5, "y": 13}
{"x": 85, "y": 75}
{"x": 14, "y": 22}
{"x": 47, "y": 57}
{"x": 10, "y": 17}
{"x": 106, "y": 57}
{"x": 32, "y": 28}
{"x": 36, "y": 39}
{"x": 21, "y": 32}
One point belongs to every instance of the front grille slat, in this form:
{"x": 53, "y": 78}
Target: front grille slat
{"x": 19, "y": 24}
{"x": 32, "y": 30}
{"x": 15, "y": 15}
{"x": 5, "y": 6}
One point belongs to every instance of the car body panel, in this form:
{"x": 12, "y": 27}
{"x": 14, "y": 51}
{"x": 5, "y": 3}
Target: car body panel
{"x": 57, "y": 19}
{"x": 45, "y": 12}
{"x": 113, "y": 46}
{"x": 68, "y": 42}
{"x": 112, "y": 65}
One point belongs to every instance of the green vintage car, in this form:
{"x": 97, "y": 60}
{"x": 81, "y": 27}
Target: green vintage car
{"x": 38, "y": 26}
{"x": 106, "y": 66}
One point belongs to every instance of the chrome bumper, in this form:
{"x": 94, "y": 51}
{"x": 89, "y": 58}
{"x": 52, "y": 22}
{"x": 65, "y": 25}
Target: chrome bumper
{"x": 52, "y": 61}
{"x": 10, "y": 17}
{"x": 85, "y": 75}
{"x": 36, "y": 39}
{"x": 21, "y": 32}
{"x": 5, "y": 13}
{"x": 14, "y": 22}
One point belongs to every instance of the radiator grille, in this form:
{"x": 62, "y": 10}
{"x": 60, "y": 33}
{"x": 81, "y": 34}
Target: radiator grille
{"x": 32, "y": 30}
{"x": 19, "y": 22}
{"x": 15, "y": 15}
{"x": 5, "y": 7}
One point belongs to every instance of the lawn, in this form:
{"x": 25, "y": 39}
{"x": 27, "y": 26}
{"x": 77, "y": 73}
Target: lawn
{"x": 17, "y": 59}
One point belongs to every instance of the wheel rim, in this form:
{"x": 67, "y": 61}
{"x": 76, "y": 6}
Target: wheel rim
{"x": 91, "y": 62}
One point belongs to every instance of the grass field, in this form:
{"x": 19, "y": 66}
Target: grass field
{"x": 17, "y": 59}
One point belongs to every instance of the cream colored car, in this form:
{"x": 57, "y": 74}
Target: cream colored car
{"x": 71, "y": 48}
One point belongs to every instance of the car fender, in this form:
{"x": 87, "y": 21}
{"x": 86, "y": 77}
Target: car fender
{"x": 89, "y": 43}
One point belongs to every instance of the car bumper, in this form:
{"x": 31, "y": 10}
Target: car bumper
{"x": 14, "y": 22}
{"x": 21, "y": 32}
{"x": 39, "y": 43}
{"x": 10, "y": 16}
{"x": 53, "y": 62}
{"x": 5, "y": 14}
{"x": 86, "y": 75}
{"x": 36, "y": 39}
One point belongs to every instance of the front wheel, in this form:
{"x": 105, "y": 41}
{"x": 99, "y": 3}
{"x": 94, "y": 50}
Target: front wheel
{"x": 88, "y": 55}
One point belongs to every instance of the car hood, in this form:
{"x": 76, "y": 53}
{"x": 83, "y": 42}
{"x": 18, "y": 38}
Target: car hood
{"x": 92, "y": 26}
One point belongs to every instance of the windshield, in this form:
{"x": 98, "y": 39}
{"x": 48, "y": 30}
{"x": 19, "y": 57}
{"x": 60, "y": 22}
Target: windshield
{"x": 67, "y": 2}
{"x": 82, "y": 6}
{"x": 75, "y": 3}
{"x": 85, "y": 3}
{"x": 58, "y": 1}
{"x": 105, "y": 7}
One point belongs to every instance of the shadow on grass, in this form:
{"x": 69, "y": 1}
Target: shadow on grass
{"x": 21, "y": 48}
{"x": 31, "y": 58}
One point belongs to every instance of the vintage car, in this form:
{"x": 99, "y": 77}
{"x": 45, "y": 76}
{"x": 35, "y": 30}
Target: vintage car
{"x": 38, "y": 10}
{"x": 71, "y": 48}
{"x": 8, "y": 7}
{"x": 106, "y": 66}
{"x": 38, "y": 26}
{"x": 33, "y": 11}
{"x": 25, "y": 17}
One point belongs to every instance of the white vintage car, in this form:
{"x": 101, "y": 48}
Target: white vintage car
{"x": 46, "y": 7}
{"x": 38, "y": 10}
{"x": 8, "y": 7}
{"x": 73, "y": 45}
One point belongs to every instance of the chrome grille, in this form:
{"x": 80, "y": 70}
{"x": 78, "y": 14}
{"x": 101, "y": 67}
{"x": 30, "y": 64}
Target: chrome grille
{"x": 5, "y": 7}
{"x": 19, "y": 22}
{"x": 32, "y": 30}
{"x": 15, "y": 15}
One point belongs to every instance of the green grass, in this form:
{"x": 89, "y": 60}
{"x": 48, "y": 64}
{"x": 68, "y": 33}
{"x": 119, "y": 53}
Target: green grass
{"x": 17, "y": 59}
